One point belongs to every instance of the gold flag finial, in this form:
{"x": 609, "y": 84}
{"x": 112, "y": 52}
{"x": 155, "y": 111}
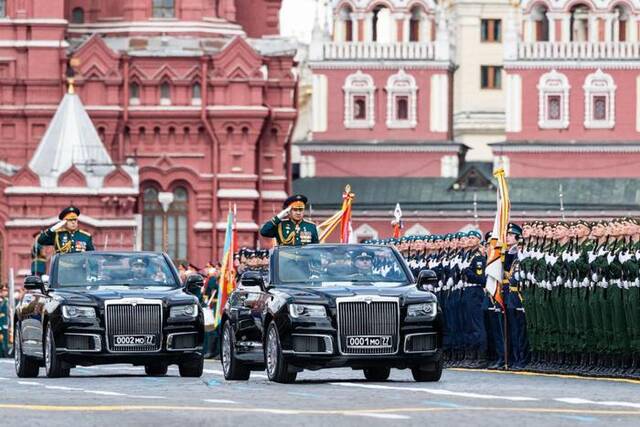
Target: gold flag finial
{"x": 70, "y": 87}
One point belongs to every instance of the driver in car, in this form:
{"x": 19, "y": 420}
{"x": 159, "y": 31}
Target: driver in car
{"x": 363, "y": 264}
{"x": 139, "y": 269}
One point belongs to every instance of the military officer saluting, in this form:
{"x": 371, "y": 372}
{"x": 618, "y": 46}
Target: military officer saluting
{"x": 65, "y": 236}
{"x": 289, "y": 227}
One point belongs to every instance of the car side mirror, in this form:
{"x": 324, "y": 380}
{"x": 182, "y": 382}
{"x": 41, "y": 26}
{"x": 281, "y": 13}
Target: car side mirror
{"x": 252, "y": 279}
{"x": 193, "y": 283}
{"x": 33, "y": 283}
{"x": 427, "y": 278}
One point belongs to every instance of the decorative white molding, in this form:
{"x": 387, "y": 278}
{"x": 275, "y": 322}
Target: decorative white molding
{"x": 359, "y": 85}
{"x": 398, "y": 51}
{"x": 553, "y": 84}
{"x": 550, "y": 147}
{"x": 274, "y": 195}
{"x": 391, "y": 147}
{"x": 320, "y": 102}
{"x": 590, "y": 51}
{"x": 417, "y": 230}
{"x": 237, "y": 193}
{"x": 73, "y": 191}
{"x": 365, "y": 230}
{"x": 401, "y": 84}
{"x": 240, "y": 226}
{"x": 502, "y": 162}
{"x": 203, "y": 226}
{"x": 513, "y": 95}
{"x": 439, "y": 103}
{"x": 449, "y": 166}
{"x": 599, "y": 84}
{"x": 84, "y": 219}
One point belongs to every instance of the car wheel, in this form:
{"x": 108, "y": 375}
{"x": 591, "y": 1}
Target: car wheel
{"x": 192, "y": 368}
{"x": 277, "y": 368}
{"x": 53, "y": 366}
{"x": 377, "y": 374}
{"x": 429, "y": 373}
{"x": 156, "y": 370}
{"x": 232, "y": 368}
{"x": 26, "y": 367}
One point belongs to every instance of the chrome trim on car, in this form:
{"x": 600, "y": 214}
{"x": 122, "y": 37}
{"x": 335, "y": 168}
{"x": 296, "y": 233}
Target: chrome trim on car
{"x": 131, "y": 323}
{"x": 328, "y": 344}
{"x": 406, "y": 340}
{"x": 368, "y": 299}
{"x": 97, "y": 344}
{"x": 170, "y": 341}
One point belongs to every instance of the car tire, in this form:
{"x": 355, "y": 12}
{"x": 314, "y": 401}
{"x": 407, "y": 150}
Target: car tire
{"x": 277, "y": 368}
{"x": 192, "y": 368}
{"x": 26, "y": 367}
{"x": 377, "y": 374}
{"x": 232, "y": 368}
{"x": 156, "y": 370}
{"x": 53, "y": 366}
{"x": 428, "y": 374}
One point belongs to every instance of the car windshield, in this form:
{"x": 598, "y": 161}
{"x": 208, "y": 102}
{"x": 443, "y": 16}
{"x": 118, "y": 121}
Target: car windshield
{"x": 108, "y": 269}
{"x": 327, "y": 265}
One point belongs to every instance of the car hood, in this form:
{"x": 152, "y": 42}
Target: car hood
{"x": 96, "y": 295}
{"x": 328, "y": 294}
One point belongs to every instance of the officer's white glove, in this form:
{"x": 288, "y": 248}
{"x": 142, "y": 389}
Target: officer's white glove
{"x": 594, "y": 277}
{"x": 58, "y": 225}
{"x": 585, "y": 282}
{"x": 284, "y": 213}
{"x": 530, "y": 276}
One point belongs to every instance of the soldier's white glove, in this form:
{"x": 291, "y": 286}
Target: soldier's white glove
{"x": 58, "y": 225}
{"x": 530, "y": 276}
{"x": 585, "y": 282}
{"x": 284, "y": 213}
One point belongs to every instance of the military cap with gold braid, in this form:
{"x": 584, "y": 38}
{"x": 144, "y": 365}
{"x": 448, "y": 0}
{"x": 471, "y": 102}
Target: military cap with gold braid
{"x": 295, "y": 201}
{"x": 70, "y": 212}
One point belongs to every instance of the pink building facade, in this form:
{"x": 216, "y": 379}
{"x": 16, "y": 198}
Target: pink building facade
{"x": 191, "y": 94}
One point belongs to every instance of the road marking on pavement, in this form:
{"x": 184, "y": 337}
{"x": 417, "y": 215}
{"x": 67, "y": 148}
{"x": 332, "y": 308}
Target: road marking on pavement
{"x": 440, "y": 392}
{"x": 146, "y": 397}
{"x": 220, "y": 401}
{"x": 217, "y": 372}
{"x": 580, "y": 401}
{"x": 6, "y": 379}
{"x": 384, "y": 416}
{"x": 28, "y": 383}
{"x": 245, "y": 410}
{"x": 540, "y": 374}
{"x": 104, "y": 393}
{"x": 61, "y": 387}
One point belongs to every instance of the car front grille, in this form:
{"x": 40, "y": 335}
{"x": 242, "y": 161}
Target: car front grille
{"x": 368, "y": 316}
{"x": 133, "y": 318}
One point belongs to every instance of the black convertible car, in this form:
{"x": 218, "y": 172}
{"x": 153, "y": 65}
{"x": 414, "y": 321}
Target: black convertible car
{"x": 326, "y": 306}
{"x": 109, "y": 307}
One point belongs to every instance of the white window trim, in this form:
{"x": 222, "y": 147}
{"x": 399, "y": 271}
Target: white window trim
{"x": 547, "y": 86}
{"x": 359, "y": 84}
{"x": 417, "y": 230}
{"x": 401, "y": 84}
{"x": 599, "y": 84}
{"x": 365, "y": 230}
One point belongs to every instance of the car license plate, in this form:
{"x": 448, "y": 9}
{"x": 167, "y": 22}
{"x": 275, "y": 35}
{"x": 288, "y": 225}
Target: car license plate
{"x": 134, "y": 340}
{"x": 369, "y": 341}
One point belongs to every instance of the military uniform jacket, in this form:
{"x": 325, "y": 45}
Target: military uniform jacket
{"x": 475, "y": 273}
{"x": 65, "y": 241}
{"x": 288, "y": 233}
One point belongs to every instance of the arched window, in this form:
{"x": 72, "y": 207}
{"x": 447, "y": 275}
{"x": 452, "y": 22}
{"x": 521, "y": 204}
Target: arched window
{"x": 417, "y": 230}
{"x": 164, "y": 222}
{"x": 553, "y": 101}
{"x": 165, "y": 94}
{"x": 164, "y": 9}
{"x": 381, "y": 25}
{"x": 134, "y": 94}
{"x": 620, "y": 24}
{"x": 599, "y": 101}
{"x": 365, "y": 232}
{"x": 401, "y": 101}
{"x": 344, "y": 25}
{"x": 77, "y": 15}
{"x": 579, "y": 23}
{"x": 359, "y": 108}
{"x": 196, "y": 94}
{"x": 541, "y": 23}
{"x": 417, "y": 24}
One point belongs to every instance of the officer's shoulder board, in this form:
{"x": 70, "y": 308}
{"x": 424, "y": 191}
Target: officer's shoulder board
{"x": 308, "y": 222}
{"x": 86, "y": 233}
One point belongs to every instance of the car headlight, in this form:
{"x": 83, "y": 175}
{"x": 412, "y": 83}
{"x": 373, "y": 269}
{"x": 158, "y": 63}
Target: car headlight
{"x": 426, "y": 309}
{"x": 190, "y": 310}
{"x": 307, "y": 310}
{"x": 78, "y": 312}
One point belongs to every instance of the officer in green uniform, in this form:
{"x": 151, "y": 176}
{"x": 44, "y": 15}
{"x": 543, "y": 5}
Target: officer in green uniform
{"x": 4, "y": 322}
{"x": 65, "y": 236}
{"x": 38, "y": 258}
{"x": 289, "y": 227}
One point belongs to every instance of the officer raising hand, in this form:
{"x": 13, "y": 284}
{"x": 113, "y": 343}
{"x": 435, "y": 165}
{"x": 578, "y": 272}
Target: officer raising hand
{"x": 289, "y": 227}
{"x": 66, "y": 236}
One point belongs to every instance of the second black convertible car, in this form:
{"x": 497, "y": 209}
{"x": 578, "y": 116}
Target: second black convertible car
{"x": 326, "y": 306}
{"x": 109, "y": 307}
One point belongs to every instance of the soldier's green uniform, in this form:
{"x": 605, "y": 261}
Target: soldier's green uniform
{"x": 4, "y": 327}
{"x": 65, "y": 241}
{"x": 288, "y": 232}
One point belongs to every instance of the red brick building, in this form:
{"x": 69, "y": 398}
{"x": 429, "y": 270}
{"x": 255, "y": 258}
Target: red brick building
{"x": 192, "y": 105}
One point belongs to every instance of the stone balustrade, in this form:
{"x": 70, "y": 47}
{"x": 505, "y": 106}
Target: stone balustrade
{"x": 409, "y": 51}
{"x": 579, "y": 50}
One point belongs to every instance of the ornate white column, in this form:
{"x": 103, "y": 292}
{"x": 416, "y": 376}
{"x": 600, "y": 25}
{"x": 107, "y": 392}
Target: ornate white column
{"x": 553, "y": 17}
{"x": 368, "y": 26}
{"x": 593, "y": 28}
{"x": 566, "y": 28}
{"x": 530, "y": 25}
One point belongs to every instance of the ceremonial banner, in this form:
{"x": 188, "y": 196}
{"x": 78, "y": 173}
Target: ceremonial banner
{"x": 226, "y": 280}
{"x": 397, "y": 222}
{"x": 342, "y": 218}
{"x": 498, "y": 240}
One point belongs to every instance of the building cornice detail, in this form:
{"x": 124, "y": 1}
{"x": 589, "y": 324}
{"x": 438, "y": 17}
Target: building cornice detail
{"x": 543, "y": 147}
{"x": 85, "y": 219}
{"x": 347, "y": 147}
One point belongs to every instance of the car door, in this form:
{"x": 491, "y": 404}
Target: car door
{"x": 30, "y": 311}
